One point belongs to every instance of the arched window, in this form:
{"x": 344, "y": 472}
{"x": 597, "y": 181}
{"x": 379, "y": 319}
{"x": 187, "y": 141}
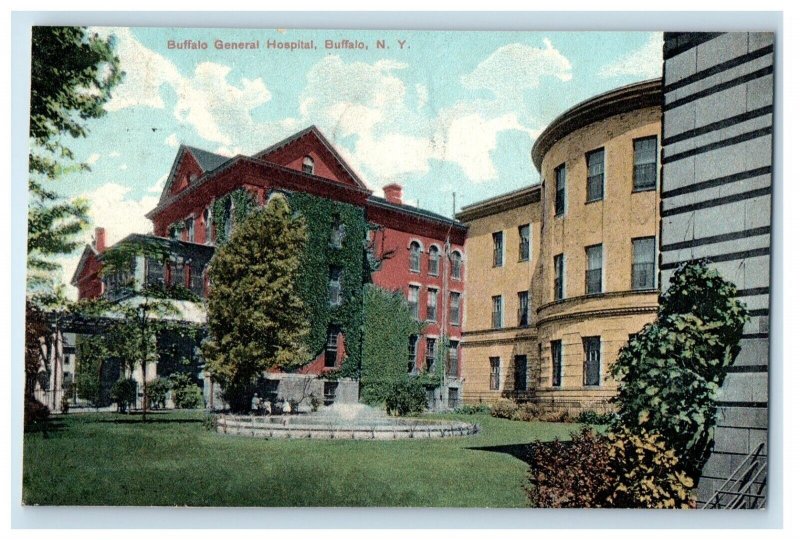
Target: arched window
{"x": 308, "y": 165}
{"x": 414, "y": 256}
{"x": 455, "y": 265}
{"x": 433, "y": 261}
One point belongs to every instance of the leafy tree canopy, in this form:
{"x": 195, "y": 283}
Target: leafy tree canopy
{"x": 256, "y": 317}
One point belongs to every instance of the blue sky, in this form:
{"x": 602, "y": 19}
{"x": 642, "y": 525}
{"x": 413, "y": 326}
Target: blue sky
{"x": 447, "y": 112}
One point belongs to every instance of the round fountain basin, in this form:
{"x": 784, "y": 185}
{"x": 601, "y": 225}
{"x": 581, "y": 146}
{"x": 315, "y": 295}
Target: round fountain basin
{"x": 313, "y": 426}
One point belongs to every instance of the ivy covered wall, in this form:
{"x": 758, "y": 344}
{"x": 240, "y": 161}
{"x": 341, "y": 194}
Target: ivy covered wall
{"x": 241, "y": 202}
{"x": 321, "y": 216}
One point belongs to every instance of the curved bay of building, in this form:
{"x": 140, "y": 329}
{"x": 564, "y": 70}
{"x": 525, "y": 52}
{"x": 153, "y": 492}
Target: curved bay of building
{"x": 591, "y": 275}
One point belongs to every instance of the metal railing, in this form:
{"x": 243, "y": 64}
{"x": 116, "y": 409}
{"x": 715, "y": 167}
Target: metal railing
{"x": 744, "y": 488}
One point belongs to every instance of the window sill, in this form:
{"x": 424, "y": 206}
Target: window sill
{"x": 524, "y": 260}
{"x": 643, "y": 190}
{"x": 595, "y": 200}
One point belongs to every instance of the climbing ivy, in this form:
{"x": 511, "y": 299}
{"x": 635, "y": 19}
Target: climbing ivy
{"x": 319, "y": 256}
{"x": 244, "y": 203}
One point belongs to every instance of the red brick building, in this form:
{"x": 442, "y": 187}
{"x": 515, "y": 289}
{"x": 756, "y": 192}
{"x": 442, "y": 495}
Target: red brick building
{"x": 421, "y": 252}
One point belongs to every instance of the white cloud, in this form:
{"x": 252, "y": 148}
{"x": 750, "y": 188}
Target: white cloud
{"x": 123, "y": 167}
{"x": 216, "y": 109}
{"x": 172, "y": 140}
{"x": 644, "y": 62}
{"x": 114, "y": 154}
{"x": 92, "y": 159}
{"x": 158, "y": 187}
{"x": 515, "y": 68}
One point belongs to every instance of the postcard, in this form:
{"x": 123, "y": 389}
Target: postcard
{"x": 386, "y": 268}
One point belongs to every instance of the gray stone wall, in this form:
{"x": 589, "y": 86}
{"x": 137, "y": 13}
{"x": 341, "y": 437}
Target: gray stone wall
{"x": 716, "y": 203}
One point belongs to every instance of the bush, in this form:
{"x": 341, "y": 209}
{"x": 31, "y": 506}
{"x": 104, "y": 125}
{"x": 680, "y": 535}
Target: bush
{"x": 669, "y": 373}
{"x": 504, "y": 408}
{"x": 157, "y": 393}
{"x": 647, "y": 472}
{"x": 571, "y": 474}
{"x": 407, "y": 396}
{"x": 123, "y": 393}
{"x": 473, "y": 409}
{"x": 527, "y": 412}
{"x": 185, "y": 393}
{"x": 595, "y": 418}
{"x": 65, "y": 403}
{"x": 35, "y": 411}
{"x": 555, "y": 416}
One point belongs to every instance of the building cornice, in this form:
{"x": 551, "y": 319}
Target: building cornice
{"x": 598, "y": 313}
{"x": 500, "y": 203}
{"x": 621, "y": 100}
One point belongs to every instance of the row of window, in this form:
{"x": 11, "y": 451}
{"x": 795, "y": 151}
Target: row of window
{"x": 642, "y": 268}
{"x": 451, "y": 367}
{"x": 432, "y": 304}
{"x": 523, "y": 310}
{"x": 434, "y": 257}
{"x": 645, "y": 169}
{"x": 498, "y": 254}
{"x": 591, "y": 362}
{"x": 591, "y": 366}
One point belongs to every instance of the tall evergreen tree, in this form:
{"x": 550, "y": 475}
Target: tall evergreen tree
{"x": 72, "y": 75}
{"x": 256, "y": 317}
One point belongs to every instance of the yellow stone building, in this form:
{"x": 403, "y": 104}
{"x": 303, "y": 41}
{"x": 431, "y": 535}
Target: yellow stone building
{"x": 590, "y": 280}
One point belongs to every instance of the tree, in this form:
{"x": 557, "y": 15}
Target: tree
{"x": 670, "y": 372}
{"x": 388, "y": 325}
{"x": 72, "y": 75}
{"x": 256, "y": 318}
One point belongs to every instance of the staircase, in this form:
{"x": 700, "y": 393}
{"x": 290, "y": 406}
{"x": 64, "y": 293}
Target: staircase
{"x": 745, "y": 487}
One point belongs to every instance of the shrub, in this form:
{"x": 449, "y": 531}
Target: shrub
{"x": 65, "y": 403}
{"x": 571, "y": 474}
{"x": 35, "y": 411}
{"x": 407, "y": 397}
{"x": 157, "y": 393}
{"x": 527, "y": 412}
{"x": 123, "y": 393}
{"x": 647, "y": 472}
{"x": 473, "y": 409}
{"x": 185, "y": 393}
{"x": 669, "y": 373}
{"x": 504, "y": 408}
{"x": 595, "y": 418}
{"x": 555, "y": 416}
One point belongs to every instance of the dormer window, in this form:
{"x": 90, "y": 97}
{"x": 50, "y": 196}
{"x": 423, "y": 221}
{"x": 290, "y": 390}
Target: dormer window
{"x": 308, "y": 165}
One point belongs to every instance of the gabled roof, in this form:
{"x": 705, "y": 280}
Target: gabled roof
{"x": 89, "y": 250}
{"x": 313, "y": 131}
{"x": 415, "y": 211}
{"x": 208, "y": 161}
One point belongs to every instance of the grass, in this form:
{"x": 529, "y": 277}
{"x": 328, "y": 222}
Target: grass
{"x": 113, "y": 459}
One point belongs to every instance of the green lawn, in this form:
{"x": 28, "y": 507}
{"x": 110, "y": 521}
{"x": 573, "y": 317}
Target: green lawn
{"x": 112, "y": 459}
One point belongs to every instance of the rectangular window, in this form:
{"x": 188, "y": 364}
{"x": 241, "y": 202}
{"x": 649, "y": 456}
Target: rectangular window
{"x": 591, "y": 361}
{"x": 455, "y": 265}
{"x": 595, "y": 165}
{"x": 524, "y": 242}
{"x": 430, "y": 353}
{"x": 497, "y": 239}
{"x": 196, "y": 281}
{"x": 452, "y": 359}
{"x": 413, "y": 301}
{"x": 494, "y": 373}
{"x": 558, "y": 280}
{"x": 497, "y": 311}
{"x": 644, "y": 263}
{"x": 555, "y": 353}
{"x": 452, "y": 398}
{"x": 561, "y": 189}
{"x": 332, "y": 346}
{"x": 335, "y": 286}
{"x": 455, "y": 308}
{"x": 594, "y": 269}
{"x": 520, "y": 373}
{"x": 190, "y": 229}
{"x": 645, "y": 158}
{"x": 433, "y": 301}
{"x": 329, "y": 392}
{"x": 337, "y": 232}
{"x": 522, "y": 308}
{"x": 433, "y": 261}
{"x": 412, "y": 352}
{"x": 155, "y": 272}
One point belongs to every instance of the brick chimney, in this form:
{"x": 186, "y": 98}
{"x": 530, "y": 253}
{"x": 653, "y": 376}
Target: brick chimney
{"x": 99, "y": 239}
{"x": 393, "y": 193}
